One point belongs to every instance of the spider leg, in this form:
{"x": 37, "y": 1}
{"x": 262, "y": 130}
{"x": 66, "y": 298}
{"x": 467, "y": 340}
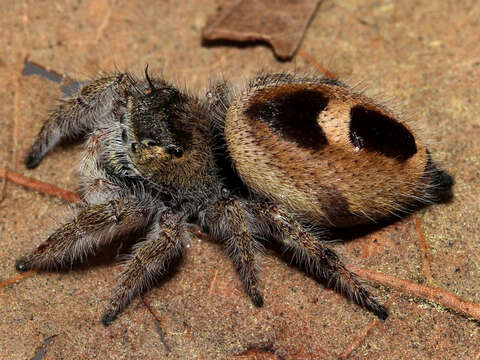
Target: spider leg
{"x": 321, "y": 261}
{"x": 92, "y": 226}
{"x": 231, "y": 223}
{"x": 78, "y": 115}
{"x": 96, "y": 185}
{"x": 148, "y": 263}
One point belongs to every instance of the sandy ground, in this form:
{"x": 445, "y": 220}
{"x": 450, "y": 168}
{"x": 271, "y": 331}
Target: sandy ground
{"x": 421, "y": 56}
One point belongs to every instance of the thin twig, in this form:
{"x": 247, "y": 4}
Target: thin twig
{"x": 39, "y": 186}
{"x": 433, "y": 294}
{"x": 103, "y": 25}
{"x": 25, "y": 21}
{"x": 424, "y": 250}
{"x": 263, "y": 351}
{"x": 359, "y": 340}
{"x": 3, "y": 193}
{"x": 43, "y": 350}
{"x": 212, "y": 286}
{"x": 316, "y": 64}
{"x": 16, "y": 278}
{"x": 16, "y": 99}
{"x": 157, "y": 323}
{"x": 362, "y": 336}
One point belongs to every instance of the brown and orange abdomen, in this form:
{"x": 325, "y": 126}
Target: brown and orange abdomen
{"x": 324, "y": 151}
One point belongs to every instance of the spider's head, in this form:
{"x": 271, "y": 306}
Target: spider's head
{"x": 170, "y": 133}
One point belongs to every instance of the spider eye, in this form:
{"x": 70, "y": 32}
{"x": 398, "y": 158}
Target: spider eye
{"x": 174, "y": 150}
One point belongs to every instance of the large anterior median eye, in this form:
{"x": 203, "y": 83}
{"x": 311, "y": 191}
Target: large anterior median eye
{"x": 174, "y": 150}
{"x": 374, "y": 131}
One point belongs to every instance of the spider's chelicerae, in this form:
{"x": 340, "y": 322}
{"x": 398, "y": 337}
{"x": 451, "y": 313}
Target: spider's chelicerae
{"x": 282, "y": 159}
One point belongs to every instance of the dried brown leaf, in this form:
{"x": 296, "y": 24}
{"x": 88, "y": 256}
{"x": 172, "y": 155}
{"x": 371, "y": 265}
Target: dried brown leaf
{"x": 281, "y": 23}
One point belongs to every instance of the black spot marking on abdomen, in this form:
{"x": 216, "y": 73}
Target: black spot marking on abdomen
{"x": 374, "y": 131}
{"x": 293, "y": 115}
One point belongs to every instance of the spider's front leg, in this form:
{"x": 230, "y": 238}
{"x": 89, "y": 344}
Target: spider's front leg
{"x": 231, "y": 222}
{"x": 148, "y": 263}
{"x": 92, "y": 226}
{"x": 79, "y": 114}
{"x": 321, "y": 261}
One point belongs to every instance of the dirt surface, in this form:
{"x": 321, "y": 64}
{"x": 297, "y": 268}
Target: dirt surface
{"x": 421, "y": 56}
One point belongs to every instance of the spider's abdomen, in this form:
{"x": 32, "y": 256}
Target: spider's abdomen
{"x": 324, "y": 151}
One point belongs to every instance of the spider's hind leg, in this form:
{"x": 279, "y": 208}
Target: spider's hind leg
{"x": 92, "y": 226}
{"x": 321, "y": 261}
{"x": 148, "y": 263}
{"x": 232, "y": 222}
{"x": 79, "y": 114}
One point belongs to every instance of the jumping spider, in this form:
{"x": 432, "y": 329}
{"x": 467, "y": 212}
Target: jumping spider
{"x": 288, "y": 154}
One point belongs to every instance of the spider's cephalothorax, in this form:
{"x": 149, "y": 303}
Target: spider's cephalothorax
{"x": 288, "y": 154}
